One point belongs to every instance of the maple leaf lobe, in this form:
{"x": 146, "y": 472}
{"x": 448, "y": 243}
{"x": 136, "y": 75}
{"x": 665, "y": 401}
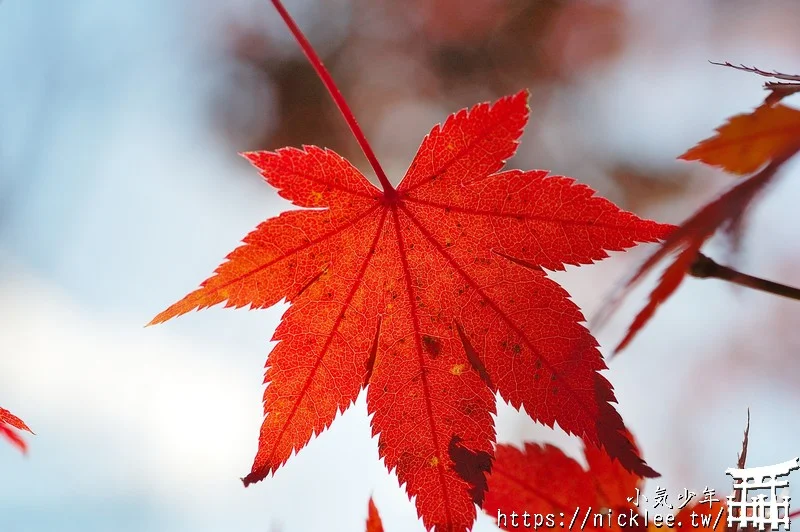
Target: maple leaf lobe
{"x": 8, "y": 423}
{"x": 374, "y": 523}
{"x": 436, "y": 298}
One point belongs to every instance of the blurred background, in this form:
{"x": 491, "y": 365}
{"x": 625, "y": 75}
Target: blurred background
{"x": 121, "y": 189}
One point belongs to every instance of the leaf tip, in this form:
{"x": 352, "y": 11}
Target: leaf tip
{"x": 257, "y": 474}
{"x": 159, "y": 318}
{"x": 521, "y": 98}
{"x": 254, "y": 157}
{"x": 523, "y": 93}
{"x": 741, "y": 460}
{"x": 374, "y": 523}
{"x": 249, "y": 479}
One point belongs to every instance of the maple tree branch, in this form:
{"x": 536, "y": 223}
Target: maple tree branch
{"x": 333, "y": 90}
{"x": 704, "y": 267}
{"x": 754, "y": 70}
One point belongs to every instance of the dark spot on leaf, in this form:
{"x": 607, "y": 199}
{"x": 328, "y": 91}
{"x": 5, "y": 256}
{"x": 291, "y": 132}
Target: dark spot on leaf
{"x": 471, "y": 466}
{"x": 405, "y": 461}
{"x": 431, "y": 345}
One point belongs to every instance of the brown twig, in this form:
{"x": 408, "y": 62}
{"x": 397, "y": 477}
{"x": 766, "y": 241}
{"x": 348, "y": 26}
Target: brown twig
{"x": 754, "y": 70}
{"x": 704, "y": 268}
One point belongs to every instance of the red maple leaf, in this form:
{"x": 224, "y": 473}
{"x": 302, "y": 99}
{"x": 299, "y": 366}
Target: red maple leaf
{"x": 374, "y": 523}
{"x": 544, "y": 480}
{"x": 8, "y": 423}
{"x": 435, "y": 295}
{"x": 557, "y": 492}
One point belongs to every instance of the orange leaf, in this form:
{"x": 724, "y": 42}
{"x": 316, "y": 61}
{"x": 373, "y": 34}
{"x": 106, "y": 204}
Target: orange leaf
{"x": 9, "y": 422}
{"x": 749, "y": 141}
{"x": 374, "y": 523}
{"x": 435, "y": 295}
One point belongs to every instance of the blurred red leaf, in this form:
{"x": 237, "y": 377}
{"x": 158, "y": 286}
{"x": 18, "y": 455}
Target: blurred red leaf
{"x": 670, "y": 280}
{"x": 542, "y": 479}
{"x": 374, "y": 523}
{"x": 8, "y": 423}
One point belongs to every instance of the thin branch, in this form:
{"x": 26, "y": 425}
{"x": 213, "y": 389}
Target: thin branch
{"x": 333, "y": 90}
{"x": 705, "y": 268}
{"x": 754, "y": 70}
{"x": 780, "y": 90}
